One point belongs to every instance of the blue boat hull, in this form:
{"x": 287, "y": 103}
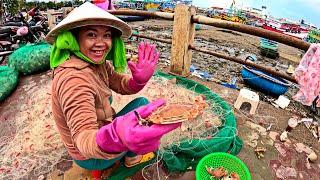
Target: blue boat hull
{"x": 264, "y": 82}
{"x": 131, "y": 18}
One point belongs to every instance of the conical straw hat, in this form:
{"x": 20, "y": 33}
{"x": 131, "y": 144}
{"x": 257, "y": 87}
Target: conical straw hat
{"x": 89, "y": 14}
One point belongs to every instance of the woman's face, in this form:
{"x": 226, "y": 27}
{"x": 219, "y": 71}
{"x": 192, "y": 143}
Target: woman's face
{"x": 95, "y": 41}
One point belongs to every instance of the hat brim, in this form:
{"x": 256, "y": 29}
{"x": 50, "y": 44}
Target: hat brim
{"x": 123, "y": 28}
{"x": 89, "y": 14}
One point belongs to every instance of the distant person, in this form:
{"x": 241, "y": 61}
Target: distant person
{"x": 95, "y": 135}
{"x": 307, "y": 75}
{"x": 104, "y": 4}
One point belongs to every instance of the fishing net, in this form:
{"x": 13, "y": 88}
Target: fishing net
{"x": 8, "y": 80}
{"x": 31, "y": 58}
{"x": 213, "y": 131}
{"x": 34, "y": 147}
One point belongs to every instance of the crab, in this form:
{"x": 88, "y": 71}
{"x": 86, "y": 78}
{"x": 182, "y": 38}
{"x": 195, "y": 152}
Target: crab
{"x": 259, "y": 151}
{"x": 231, "y": 176}
{"x": 217, "y": 173}
{"x": 175, "y": 112}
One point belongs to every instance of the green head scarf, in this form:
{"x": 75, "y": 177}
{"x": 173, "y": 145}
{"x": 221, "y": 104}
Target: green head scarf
{"x": 66, "y": 44}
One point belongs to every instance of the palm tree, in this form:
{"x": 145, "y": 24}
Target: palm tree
{"x": 11, "y": 6}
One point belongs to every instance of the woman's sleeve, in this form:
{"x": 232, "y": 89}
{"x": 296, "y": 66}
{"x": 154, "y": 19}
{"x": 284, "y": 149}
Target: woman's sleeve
{"x": 119, "y": 83}
{"x": 76, "y": 96}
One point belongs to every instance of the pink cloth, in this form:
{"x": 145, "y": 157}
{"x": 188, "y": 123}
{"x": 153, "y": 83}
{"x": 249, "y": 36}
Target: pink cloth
{"x": 22, "y": 31}
{"x": 105, "y": 5}
{"x": 308, "y": 76}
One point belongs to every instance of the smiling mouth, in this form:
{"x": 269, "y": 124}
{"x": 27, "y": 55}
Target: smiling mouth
{"x": 99, "y": 53}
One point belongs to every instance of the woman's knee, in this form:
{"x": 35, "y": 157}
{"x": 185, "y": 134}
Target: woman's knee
{"x": 142, "y": 101}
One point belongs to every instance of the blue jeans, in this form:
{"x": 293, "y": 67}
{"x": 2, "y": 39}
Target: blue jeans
{"x": 100, "y": 164}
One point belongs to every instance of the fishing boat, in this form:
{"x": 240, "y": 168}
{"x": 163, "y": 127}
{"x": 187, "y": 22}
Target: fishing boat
{"x": 152, "y": 6}
{"x": 264, "y": 82}
{"x": 273, "y": 26}
{"x": 314, "y": 36}
{"x": 287, "y": 28}
{"x": 131, "y": 18}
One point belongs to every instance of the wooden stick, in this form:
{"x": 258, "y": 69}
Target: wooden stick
{"x": 153, "y": 38}
{"x": 240, "y": 61}
{"x": 162, "y": 15}
{"x": 282, "y": 38}
{"x": 247, "y": 63}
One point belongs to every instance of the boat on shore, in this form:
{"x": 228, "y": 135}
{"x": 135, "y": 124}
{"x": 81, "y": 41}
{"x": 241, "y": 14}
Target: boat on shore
{"x": 290, "y": 29}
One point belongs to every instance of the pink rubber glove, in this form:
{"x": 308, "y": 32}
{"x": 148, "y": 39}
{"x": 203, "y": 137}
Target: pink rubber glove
{"x": 147, "y": 62}
{"x": 125, "y": 133}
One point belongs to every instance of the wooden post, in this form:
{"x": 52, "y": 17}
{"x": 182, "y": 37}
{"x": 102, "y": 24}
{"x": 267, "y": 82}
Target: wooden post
{"x": 66, "y": 11}
{"x": 182, "y": 36}
{"x": 51, "y": 19}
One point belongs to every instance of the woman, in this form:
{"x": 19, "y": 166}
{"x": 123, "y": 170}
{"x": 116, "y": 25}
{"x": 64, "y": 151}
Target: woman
{"x": 104, "y": 4}
{"x": 92, "y": 133}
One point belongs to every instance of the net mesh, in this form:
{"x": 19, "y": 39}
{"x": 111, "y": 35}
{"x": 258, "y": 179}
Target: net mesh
{"x": 8, "y": 79}
{"x": 31, "y": 58}
{"x": 160, "y": 87}
{"x": 35, "y": 147}
{"x": 214, "y": 131}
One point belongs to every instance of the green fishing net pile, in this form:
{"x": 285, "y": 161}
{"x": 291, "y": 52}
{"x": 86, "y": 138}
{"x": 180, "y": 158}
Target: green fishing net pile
{"x": 31, "y": 58}
{"x": 185, "y": 155}
{"x": 8, "y": 81}
{"x": 28, "y": 59}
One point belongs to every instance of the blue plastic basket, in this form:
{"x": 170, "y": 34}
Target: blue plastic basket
{"x": 264, "y": 82}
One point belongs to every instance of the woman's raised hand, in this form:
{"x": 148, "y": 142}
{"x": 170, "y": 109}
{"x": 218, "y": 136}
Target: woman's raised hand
{"x": 148, "y": 57}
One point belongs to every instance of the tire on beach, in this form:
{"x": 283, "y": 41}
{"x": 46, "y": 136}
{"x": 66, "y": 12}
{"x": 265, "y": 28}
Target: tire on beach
{"x": 9, "y": 80}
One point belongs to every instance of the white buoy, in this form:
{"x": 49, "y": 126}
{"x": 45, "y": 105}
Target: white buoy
{"x": 284, "y": 136}
{"x": 312, "y": 157}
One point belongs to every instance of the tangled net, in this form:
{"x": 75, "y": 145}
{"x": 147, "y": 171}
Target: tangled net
{"x": 159, "y": 87}
{"x": 193, "y": 134}
{"x": 35, "y": 148}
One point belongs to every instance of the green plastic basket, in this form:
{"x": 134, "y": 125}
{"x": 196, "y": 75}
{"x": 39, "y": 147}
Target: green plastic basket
{"x": 219, "y": 159}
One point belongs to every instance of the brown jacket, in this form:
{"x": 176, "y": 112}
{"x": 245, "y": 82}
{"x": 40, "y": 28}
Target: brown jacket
{"x": 80, "y": 104}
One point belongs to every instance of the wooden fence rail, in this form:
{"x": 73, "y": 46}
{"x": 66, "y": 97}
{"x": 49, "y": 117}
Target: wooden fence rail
{"x": 237, "y": 60}
{"x": 161, "y": 15}
{"x": 183, "y": 36}
{"x": 53, "y": 14}
{"x": 282, "y": 38}
{"x": 184, "y": 19}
